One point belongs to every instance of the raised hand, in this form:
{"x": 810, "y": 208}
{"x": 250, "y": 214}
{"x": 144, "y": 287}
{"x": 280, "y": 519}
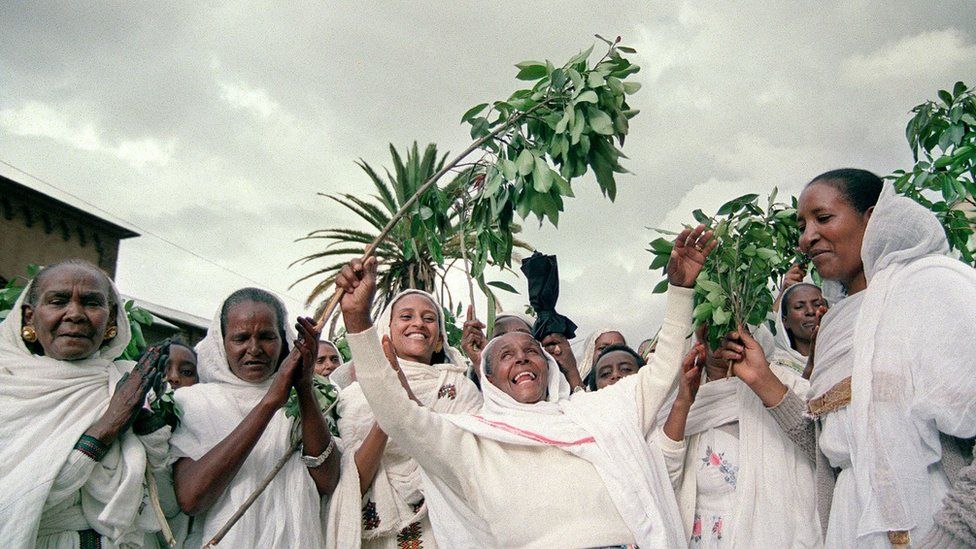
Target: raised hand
{"x": 307, "y": 345}
{"x": 357, "y": 282}
{"x": 130, "y": 395}
{"x": 473, "y": 338}
{"x": 794, "y": 275}
{"x": 690, "y": 379}
{"x": 558, "y": 346}
{"x": 808, "y": 370}
{"x": 691, "y": 248}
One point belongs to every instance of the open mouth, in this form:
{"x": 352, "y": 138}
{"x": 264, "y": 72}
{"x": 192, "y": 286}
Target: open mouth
{"x": 809, "y": 325}
{"x": 523, "y": 377}
{"x": 417, "y": 336}
{"x": 255, "y": 363}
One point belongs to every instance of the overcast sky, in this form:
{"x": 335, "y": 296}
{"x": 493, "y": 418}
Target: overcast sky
{"x": 214, "y": 125}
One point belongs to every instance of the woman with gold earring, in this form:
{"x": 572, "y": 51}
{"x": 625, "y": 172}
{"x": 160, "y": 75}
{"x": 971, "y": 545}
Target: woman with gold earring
{"x": 378, "y": 502}
{"x": 76, "y": 439}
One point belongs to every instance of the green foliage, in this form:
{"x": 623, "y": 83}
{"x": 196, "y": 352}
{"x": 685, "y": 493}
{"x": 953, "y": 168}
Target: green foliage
{"x": 11, "y": 292}
{"x": 942, "y": 135}
{"x": 165, "y": 407}
{"x": 325, "y": 394}
{"x": 756, "y": 248}
{"x": 422, "y": 246}
{"x": 540, "y": 138}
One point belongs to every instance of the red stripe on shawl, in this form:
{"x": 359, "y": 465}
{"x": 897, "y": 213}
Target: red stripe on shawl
{"x": 533, "y": 436}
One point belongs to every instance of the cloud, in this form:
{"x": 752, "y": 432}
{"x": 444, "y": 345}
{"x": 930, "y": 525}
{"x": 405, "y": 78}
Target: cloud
{"x": 36, "y": 119}
{"x": 927, "y": 55}
{"x": 254, "y": 100}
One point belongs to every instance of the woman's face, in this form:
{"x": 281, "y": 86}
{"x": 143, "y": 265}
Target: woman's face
{"x": 613, "y": 367}
{"x": 72, "y": 312}
{"x": 181, "y": 368}
{"x": 252, "y": 341}
{"x": 327, "y": 360}
{"x": 800, "y": 312}
{"x": 415, "y": 329}
{"x": 831, "y": 232}
{"x": 519, "y": 368}
{"x": 605, "y": 340}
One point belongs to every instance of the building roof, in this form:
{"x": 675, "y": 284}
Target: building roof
{"x": 170, "y": 315}
{"x": 73, "y": 207}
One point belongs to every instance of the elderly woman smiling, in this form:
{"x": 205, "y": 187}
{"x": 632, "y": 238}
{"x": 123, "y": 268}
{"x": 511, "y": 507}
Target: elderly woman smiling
{"x": 489, "y": 476}
{"x": 76, "y": 445}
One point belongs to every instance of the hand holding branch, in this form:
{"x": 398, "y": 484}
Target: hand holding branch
{"x": 691, "y": 248}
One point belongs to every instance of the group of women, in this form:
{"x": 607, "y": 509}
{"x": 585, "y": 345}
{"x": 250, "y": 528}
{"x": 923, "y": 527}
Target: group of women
{"x": 846, "y": 428}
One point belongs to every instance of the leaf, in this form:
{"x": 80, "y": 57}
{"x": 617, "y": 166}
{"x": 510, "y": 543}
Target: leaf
{"x": 509, "y": 169}
{"x": 526, "y": 162}
{"x": 473, "y": 111}
{"x": 708, "y": 285}
{"x": 599, "y": 121}
{"x": 588, "y": 96}
{"x": 631, "y": 88}
{"x": 660, "y": 287}
{"x": 946, "y": 97}
{"x": 720, "y": 316}
{"x": 541, "y": 176}
{"x": 503, "y": 286}
{"x": 531, "y": 70}
{"x": 626, "y": 49}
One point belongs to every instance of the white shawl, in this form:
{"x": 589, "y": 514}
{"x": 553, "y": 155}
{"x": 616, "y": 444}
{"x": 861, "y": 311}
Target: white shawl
{"x": 586, "y": 362}
{"x": 45, "y": 407}
{"x": 397, "y": 488}
{"x": 602, "y": 428}
{"x": 913, "y": 365}
{"x": 785, "y": 354}
{"x": 287, "y": 513}
{"x": 775, "y": 495}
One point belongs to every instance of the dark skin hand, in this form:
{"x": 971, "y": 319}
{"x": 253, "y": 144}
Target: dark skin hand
{"x": 130, "y": 394}
{"x": 808, "y": 370}
{"x": 558, "y": 346}
{"x": 748, "y": 361}
{"x": 198, "y": 484}
{"x": 473, "y": 338}
{"x": 688, "y": 386}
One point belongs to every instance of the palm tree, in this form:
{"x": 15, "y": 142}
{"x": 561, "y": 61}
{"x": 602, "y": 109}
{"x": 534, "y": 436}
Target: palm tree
{"x": 423, "y": 246}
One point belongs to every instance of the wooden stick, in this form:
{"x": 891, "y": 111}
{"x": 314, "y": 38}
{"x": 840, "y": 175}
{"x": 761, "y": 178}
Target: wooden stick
{"x": 336, "y": 297}
{"x": 260, "y": 489}
{"x": 371, "y": 248}
{"x": 158, "y": 508}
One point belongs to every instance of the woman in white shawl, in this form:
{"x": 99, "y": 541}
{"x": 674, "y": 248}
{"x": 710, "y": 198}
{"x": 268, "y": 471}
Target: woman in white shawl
{"x": 740, "y": 481}
{"x": 595, "y": 344}
{"x": 801, "y": 306}
{"x": 535, "y": 467}
{"x": 889, "y": 378}
{"x": 72, "y": 466}
{"x": 379, "y": 502}
{"x": 234, "y": 429}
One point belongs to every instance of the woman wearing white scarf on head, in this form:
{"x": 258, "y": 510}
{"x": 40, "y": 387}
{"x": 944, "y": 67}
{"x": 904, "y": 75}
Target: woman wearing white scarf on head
{"x": 740, "y": 481}
{"x": 595, "y": 344}
{"x": 72, "y": 469}
{"x": 887, "y": 379}
{"x": 536, "y": 467}
{"x": 800, "y": 308}
{"x": 380, "y": 501}
{"x": 234, "y": 429}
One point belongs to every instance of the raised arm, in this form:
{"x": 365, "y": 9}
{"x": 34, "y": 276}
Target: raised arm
{"x": 440, "y": 447}
{"x": 691, "y": 248}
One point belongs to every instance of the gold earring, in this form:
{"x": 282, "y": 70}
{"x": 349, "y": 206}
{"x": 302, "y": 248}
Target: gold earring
{"x": 111, "y": 332}
{"x": 28, "y": 334}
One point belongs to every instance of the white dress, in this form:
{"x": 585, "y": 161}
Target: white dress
{"x": 716, "y": 474}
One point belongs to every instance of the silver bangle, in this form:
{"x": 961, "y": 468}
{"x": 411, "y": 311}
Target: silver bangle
{"x": 314, "y": 461}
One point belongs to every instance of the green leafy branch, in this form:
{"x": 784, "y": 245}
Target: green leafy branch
{"x": 942, "y": 135}
{"x": 756, "y": 248}
{"x": 325, "y": 395}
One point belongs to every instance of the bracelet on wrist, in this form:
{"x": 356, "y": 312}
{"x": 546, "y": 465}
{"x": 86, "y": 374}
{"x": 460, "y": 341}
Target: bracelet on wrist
{"x": 91, "y": 447}
{"x": 314, "y": 461}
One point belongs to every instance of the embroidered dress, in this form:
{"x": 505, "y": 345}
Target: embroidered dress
{"x": 716, "y": 474}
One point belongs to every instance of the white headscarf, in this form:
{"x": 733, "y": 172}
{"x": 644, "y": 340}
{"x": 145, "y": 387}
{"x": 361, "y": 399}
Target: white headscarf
{"x": 396, "y": 488}
{"x": 586, "y": 362}
{"x": 602, "y": 428}
{"x": 45, "y": 406}
{"x": 785, "y": 354}
{"x": 912, "y": 362}
{"x": 287, "y": 513}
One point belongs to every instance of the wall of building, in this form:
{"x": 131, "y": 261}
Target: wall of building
{"x": 33, "y": 234}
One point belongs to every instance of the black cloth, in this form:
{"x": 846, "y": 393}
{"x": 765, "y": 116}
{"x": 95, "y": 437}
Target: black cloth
{"x": 542, "y": 274}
